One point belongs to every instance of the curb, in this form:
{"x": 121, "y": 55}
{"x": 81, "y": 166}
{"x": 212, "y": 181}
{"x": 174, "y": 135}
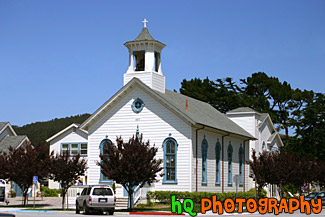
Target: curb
{"x": 35, "y": 211}
{"x": 154, "y": 213}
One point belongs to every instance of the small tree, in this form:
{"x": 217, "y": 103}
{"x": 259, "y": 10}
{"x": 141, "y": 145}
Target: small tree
{"x": 130, "y": 164}
{"x": 24, "y": 163}
{"x": 260, "y": 166}
{"x": 283, "y": 169}
{"x": 3, "y": 166}
{"x": 66, "y": 170}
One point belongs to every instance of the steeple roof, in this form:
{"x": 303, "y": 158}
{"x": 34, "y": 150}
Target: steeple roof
{"x": 145, "y": 36}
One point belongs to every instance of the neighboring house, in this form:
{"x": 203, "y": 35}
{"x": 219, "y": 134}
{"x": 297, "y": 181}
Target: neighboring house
{"x": 202, "y": 149}
{"x": 261, "y": 127}
{"x": 8, "y": 137}
{"x": 73, "y": 139}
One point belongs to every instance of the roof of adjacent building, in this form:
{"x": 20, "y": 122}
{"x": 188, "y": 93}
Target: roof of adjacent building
{"x": 263, "y": 118}
{"x": 13, "y": 141}
{"x": 2, "y": 125}
{"x": 242, "y": 109}
{"x": 74, "y": 125}
{"x": 203, "y": 113}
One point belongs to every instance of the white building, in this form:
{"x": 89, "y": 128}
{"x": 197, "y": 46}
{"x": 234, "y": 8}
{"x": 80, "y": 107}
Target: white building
{"x": 261, "y": 127}
{"x": 8, "y": 137}
{"x": 206, "y": 148}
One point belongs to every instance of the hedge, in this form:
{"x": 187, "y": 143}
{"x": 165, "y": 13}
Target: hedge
{"x": 165, "y": 196}
{"x": 50, "y": 192}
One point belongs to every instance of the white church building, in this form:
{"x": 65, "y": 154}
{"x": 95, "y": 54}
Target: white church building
{"x": 202, "y": 149}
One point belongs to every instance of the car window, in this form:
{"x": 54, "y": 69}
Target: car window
{"x": 88, "y": 191}
{"x": 84, "y": 191}
{"x": 102, "y": 191}
{"x": 311, "y": 195}
{"x": 321, "y": 194}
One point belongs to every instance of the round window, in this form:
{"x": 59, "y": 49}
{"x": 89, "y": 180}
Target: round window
{"x": 137, "y": 105}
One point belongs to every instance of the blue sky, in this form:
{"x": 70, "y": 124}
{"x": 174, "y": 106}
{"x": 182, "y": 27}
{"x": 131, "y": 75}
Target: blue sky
{"x": 62, "y": 58}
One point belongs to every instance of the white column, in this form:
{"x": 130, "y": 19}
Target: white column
{"x": 149, "y": 61}
{"x": 131, "y": 63}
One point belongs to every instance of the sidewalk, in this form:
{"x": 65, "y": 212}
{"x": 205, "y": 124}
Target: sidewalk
{"x": 45, "y": 203}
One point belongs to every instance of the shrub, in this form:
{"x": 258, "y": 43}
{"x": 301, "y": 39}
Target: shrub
{"x": 50, "y": 192}
{"x": 12, "y": 193}
{"x": 165, "y": 196}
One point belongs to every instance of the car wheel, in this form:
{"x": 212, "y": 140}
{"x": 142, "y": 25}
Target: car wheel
{"x": 85, "y": 209}
{"x": 77, "y": 208}
{"x": 111, "y": 212}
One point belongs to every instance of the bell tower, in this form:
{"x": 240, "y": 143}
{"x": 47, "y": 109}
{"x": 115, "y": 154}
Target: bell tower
{"x": 145, "y": 60}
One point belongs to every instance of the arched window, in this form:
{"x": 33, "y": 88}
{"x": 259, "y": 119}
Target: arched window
{"x": 204, "y": 147}
{"x": 241, "y": 163}
{"x": 102, "y": 145}
{"x": 170, "y": 160}
{"x": 218, "y": 156}
{"x": 229, "y": 152}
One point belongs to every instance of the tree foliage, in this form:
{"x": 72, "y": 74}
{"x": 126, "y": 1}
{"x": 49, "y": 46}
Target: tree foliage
{"x": 21, "y": 164}
{"x": 311, "y": 128}
{"x": 66, "y": 169}
{"x": 130, "y": 164}
{"x": 258, "y": 91}
{"x": 285, "y": 168}
{"x": 40, "y": 131}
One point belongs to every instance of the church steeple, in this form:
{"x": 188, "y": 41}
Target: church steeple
{"x": 145, "y": 61}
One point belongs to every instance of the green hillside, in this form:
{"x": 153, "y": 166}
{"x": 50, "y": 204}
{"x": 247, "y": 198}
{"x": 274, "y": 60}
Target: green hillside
{"x": 40, "y": 131}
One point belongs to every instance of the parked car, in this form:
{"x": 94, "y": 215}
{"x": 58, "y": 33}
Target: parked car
{"x": 96, "y": 198}
{"x": 315, "y": 196}
{"x": 7, "y": 214}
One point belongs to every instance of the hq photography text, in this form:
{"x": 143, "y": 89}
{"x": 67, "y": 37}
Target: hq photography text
{"x": 263, "y": 205}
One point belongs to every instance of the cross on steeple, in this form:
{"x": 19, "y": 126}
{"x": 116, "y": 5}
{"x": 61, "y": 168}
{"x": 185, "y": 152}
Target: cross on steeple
{"x": 145, "y": 21}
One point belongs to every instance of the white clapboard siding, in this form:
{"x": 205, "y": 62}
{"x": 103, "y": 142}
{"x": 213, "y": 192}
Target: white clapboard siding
{"x": 71, "y": 136}
{"x": 212, "y": 138}
{"x": 155, "y": 122}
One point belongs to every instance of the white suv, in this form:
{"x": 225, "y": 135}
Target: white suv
{"x": 97, "y": 198}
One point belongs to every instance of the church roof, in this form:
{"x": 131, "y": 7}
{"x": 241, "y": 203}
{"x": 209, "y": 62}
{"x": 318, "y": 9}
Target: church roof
{"x": 13, "y": 141}
{"x": 198, "y": 112}
{"x": 144, "y": 36}
{"x": 203, "y": 113}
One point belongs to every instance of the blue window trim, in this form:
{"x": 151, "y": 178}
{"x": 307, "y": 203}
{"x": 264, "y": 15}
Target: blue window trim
{"x": 229, "y": 154}
{"x": 64, "y": 144}
{"x": 79, "y": 148}
{"x": 133, "y": 106}
{"x": 218, "y": 156}
{"x": 165, "y": 181}
{"x": 102, "y": 143}
{"x": 204, "y": 148}
{"x": 241, "y": 163}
